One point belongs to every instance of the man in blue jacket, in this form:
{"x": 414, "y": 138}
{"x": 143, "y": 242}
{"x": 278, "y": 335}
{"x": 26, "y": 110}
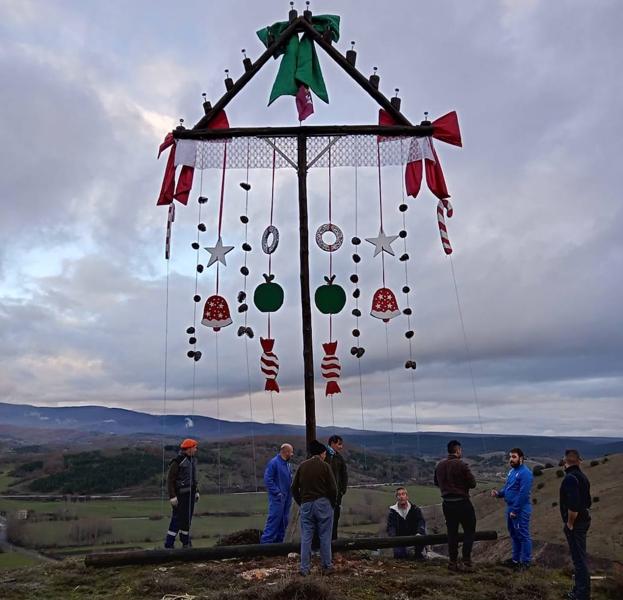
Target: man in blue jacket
{"x": 516, "y": 492}
{"x": 278, "y": 480}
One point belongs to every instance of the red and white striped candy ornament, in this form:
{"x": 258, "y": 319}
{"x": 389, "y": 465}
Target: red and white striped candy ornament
{"x": 331, "y": 368}
{"x": 269, "y": 364}
{"x": 443, "y": 232}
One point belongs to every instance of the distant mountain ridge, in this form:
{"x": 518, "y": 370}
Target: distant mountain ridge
{"x": 119, "y": 421}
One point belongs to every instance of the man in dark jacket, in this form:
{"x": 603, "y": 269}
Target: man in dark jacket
{"x": 575, "y": 504}
{"x": 454, "y": 479}
{"x": 278, "y": 479}
{"x": 183, "y": 493}
{"x": 315, "y": 491}
{"x": 405, "y": 518}
{"x": 516, "y": 492}
{"x": 340, "y": 472}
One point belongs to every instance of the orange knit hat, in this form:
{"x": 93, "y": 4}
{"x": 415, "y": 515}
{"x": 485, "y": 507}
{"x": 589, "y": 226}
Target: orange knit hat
{"x": 188, "y": 443}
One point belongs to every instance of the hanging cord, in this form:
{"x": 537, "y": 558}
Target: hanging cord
{"x": 389, "y": 396}
{"x": 468, "y": 354}
{"x": 164, "y": 395}
{"x": 246, "y": 318}
{"x": 192, "y": 413}
{"x": 378, "y": 163}
{"x": 270, "y": 256}
{"x": 363, "y": 424}
{"x": 409, "y": 311}
{"x": 330, "y": 276}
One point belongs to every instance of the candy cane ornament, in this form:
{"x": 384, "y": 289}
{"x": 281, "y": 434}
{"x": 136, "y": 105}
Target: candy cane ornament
{"x": 331, "y": 368}
{"x": 269, "y": 364}
{"x": 441, "y": 221}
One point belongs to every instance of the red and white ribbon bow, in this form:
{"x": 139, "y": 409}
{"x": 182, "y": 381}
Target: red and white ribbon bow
{"x": 331, "y": 368}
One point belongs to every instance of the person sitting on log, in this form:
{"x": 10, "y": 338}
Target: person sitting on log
{"x": 405, "y": 518}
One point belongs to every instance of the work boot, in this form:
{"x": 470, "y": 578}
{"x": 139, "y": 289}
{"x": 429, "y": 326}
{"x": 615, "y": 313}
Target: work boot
{"x": 327, "y": 571}
{"x": 467, "y": 566}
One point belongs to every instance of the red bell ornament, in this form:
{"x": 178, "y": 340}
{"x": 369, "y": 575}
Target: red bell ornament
{"x": 384, "y": 305}
{"x": 216, "y": 313}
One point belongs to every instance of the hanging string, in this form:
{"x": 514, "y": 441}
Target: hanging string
{"x": 331, "y": 275}
{"x": 270, "y": 256}
{"x": 409, "y": 311}
{"x": 220, "y": 209}
{"x": 389, "y": 395}
{"x": 378, "y": 164}
{"x": 363, "y": 424}
{"x": 164, "y": 396}
{"x": 246, "y": 324}
{"x": 468, "y": 354}
{"x": 194, "y": 383}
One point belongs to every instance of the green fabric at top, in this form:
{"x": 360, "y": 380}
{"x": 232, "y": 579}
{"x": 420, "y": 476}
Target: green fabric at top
{"x": 300, "y": 64}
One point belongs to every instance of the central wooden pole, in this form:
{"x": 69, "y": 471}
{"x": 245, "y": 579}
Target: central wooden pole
{"x": 308, "y": 349}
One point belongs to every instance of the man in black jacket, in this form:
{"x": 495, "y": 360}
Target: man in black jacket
{"x": 575, "y": 504}
{"x": 405, "y": 518}
{"x": 454, "y": 479}
{"x": 183, "y": 493}
{"x": 338, "y": 466}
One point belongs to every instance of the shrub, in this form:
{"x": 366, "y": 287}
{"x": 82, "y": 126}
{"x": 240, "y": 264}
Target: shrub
{"x": 549, "y": 465}
{"x": 540, "y": 486}
{"x": 560, "y": 473}
{"x": 594, "y": 463}
{"x": 605, "y": 460}
{"x": 537, "y": 470}
{"x": 554, "y": 504}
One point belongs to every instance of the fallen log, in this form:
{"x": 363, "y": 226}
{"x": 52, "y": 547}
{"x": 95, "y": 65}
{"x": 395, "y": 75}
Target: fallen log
{"x": 152, "y": 557}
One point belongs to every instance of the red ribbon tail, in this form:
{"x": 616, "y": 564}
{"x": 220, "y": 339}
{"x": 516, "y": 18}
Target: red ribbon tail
{"x": 332, "y": 388}
{"x": 168, "y": 181}
{"x": 413, "y": 178}
{"x": 271, "y": 385}
{"x": 434, "y": 177}
{"x": 184, "y": 184}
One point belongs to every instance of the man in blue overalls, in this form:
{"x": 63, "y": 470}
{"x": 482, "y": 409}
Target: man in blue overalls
{"x": 516, "y": 492}
{"x": 278, "y": 480}
{"x": 182, "y": 488}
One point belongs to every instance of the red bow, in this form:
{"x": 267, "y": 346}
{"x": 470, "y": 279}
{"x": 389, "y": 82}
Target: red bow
{"x": 169, "y": 191}
{"x": 445, "y": 129}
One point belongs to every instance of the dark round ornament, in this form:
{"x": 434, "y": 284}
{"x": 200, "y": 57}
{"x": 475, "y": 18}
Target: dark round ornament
{"x": 245, "y": 186}
{"x": 202, "y": 199}
{"x": 197, "y": 355}
{"x": 199, "y": 268}
{"x": 190, "y": 330}
{"x": 241, "y": 296}
{"x": 190, "y": 353}
{"x": 356, "y": 241}
{"x": 197, "y": 298}
{"x": 356, "y": 332}
{"x": 353, "y": 350}
{"x": 409, "y": 334}
{"x": 244, "y": 270}
{"x": 243, "y": 308}
{"x": 330, "y": 298}
{"x": 403, "y": 207}
{"x": 356, "y": 312}
{"x": 402, "y": 233}
{"x": 192, "y": 340}
{"x": 356, "y": 258}
{"x": 268, "y": 296}
{"x": 360, "y": 352}
{"x": 201, "y": 227}
{"x": 404, "y": 257}
{"x": 354, "y": 278}
{"x": 356, "y": 293}
{"x": 246, "y": 247}
{"x": 407, "y": 311}
{"x": 195, "y": 246}
{"x": 244, "y": 219}
{"x": 406, "y": 289}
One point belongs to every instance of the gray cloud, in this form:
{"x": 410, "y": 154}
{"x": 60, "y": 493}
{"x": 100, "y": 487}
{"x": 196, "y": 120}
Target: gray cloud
{"x": 536, "y": 229}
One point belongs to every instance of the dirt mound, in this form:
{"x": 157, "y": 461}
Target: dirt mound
{"x": 240, "y": 538}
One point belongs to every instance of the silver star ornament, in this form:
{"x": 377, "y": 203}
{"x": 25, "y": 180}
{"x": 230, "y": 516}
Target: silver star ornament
{"x": 218, "y": 252}
{"x": 382, "y": 242}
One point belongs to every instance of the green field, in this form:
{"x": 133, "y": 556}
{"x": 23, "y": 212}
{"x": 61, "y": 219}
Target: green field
{"x": 14, "y": 560}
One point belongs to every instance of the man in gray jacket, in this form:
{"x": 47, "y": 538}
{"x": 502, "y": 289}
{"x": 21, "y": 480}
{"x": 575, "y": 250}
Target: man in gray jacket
{"x": 340, "y": 472}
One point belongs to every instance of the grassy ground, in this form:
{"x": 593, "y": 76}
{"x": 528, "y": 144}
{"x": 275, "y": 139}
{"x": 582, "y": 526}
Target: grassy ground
{"x": 277, "y": 579}
{"x": 14, "y": 560}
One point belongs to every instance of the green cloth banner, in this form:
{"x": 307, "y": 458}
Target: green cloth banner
{"x": 300, "y": 64}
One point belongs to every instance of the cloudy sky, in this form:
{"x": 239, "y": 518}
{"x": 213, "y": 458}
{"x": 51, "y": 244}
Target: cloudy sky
{"x": 89, "y": 90}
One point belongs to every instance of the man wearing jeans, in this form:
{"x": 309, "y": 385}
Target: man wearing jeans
{"x": 314, "y": 489}
{"x": 575, "y": 504}
{"x": 454, "y": 479}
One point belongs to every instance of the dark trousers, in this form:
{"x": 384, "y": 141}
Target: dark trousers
{"x": 181, "y": 517}
{"x": 337, "y": 509}
{"x": 576, "y": 538}
{"x": 460, "y": 512}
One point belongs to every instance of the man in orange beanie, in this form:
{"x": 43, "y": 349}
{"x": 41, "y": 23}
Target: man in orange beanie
{"x": 182, "y": 488}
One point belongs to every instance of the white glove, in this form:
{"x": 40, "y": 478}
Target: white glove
{"x": 173, "y": 501}
{"x": 197, "y": 496}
